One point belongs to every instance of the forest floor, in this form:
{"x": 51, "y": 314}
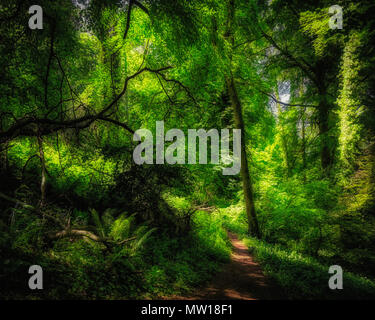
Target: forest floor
{"x": 242, "y": 278}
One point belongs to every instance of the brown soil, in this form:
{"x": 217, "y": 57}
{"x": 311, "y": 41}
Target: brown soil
{"x": 242, "y": 278}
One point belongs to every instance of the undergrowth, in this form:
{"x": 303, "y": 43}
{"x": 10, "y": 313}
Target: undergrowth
{"x": 155, "y": 264}
{"x": 299, "y": 275}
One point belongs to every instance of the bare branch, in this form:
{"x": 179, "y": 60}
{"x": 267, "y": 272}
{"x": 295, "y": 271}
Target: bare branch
{"x": 284, "y": 103}
{"x": 181, "y": 85}
{"x": 303, "y": 64}
{"x": 141, "y": 6}
{"x": 29, "y": 126}
{"x": 117, "y": 123}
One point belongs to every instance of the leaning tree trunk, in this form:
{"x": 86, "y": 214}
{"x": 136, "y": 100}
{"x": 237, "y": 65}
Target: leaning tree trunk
{"x": 239, "y": 124}
{"x": 246, "y": 179}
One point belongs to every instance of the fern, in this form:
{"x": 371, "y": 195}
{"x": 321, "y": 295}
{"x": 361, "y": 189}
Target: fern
{"x": 121, "y": 227}
{"x": 139, "y": 243}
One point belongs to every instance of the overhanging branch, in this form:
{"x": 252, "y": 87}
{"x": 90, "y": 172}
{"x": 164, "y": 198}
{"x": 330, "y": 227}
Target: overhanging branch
{"x": 29, "y": 126}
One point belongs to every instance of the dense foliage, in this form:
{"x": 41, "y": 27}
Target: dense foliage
{"x": 72, "y": 94}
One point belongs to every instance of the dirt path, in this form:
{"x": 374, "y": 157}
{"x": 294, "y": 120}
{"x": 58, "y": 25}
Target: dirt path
{"x": 242, "y": 278}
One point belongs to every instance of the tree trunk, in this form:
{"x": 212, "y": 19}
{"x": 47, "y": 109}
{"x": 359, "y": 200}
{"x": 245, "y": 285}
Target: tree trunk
{"x": 246, "y": 179}
{"x": 43, "y": 165}
{"x": 239, "y": 124}
{"x": 304, "y": 144}
{"x": 323, "y": 114}
{"x": 284, "y": 142}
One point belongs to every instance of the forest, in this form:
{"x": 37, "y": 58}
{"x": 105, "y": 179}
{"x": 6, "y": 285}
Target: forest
{"x": 294, "y": 81}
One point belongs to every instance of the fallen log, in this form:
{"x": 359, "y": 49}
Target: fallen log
{"x": 87, "y": 234}
{"x": 68, "y": 232}
{"x": 18, "y": 202}
{"x": 75, "y": 233}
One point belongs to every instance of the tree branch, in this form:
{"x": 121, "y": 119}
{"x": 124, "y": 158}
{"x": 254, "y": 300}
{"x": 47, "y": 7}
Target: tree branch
{"x": 29, "y": 126}
{"x": 141, "y": 6}
{"x": 284, "y": 103}
{"x": 304, "y": 65}
{"x": 18, "y": 202}
{"x": 127, "y": 27}
{"x": 117, "y": 123}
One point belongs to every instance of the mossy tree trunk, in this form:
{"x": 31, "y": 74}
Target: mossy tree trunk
{"x": 239, "y": 124}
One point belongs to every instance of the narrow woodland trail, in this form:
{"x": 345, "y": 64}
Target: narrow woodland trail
{"x": 242, "y": 278}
